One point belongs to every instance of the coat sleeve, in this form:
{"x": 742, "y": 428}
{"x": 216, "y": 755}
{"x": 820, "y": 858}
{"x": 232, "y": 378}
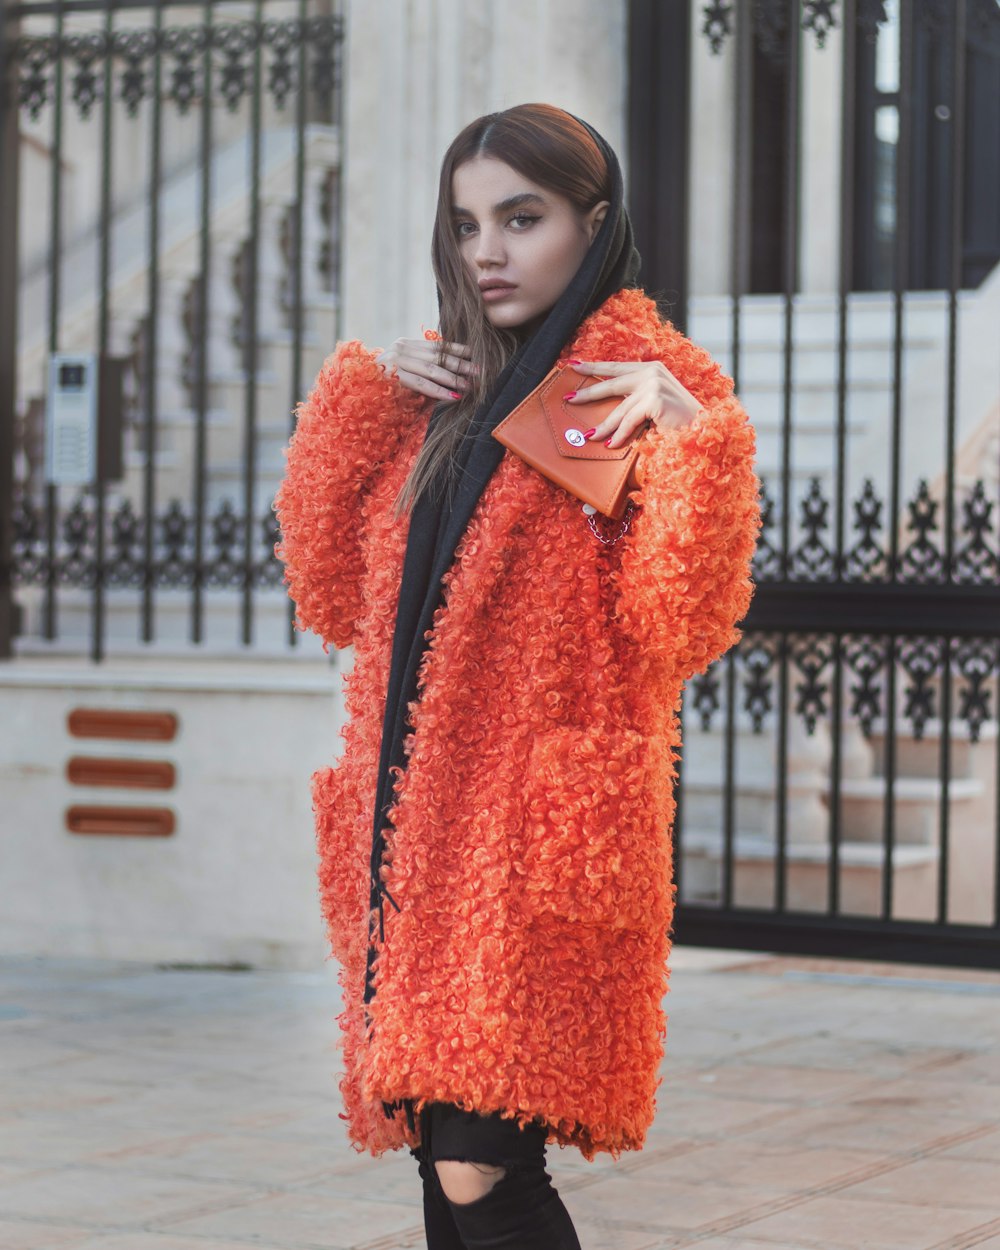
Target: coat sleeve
{"x": 346, "y": 430}
{"x": 684, "y": 579}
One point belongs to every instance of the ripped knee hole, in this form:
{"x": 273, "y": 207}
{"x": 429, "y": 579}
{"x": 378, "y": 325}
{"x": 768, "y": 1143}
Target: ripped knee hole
{"x": 466, "y": 1180}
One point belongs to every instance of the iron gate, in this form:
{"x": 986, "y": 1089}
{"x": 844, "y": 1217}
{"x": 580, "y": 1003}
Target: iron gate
{"x": 179, "y": 172}
{"x": 839, "y": 784}
{"x": 838, "y": 792}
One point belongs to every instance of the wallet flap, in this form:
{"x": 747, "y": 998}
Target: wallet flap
{"x": 569, "y": 423}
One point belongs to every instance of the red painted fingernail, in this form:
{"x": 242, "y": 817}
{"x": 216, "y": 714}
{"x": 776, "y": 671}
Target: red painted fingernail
{"x": 569, "y": 394}
{"x": 608, "y": 443}
{"x": 576, "y": 362}
{"x": 455, "y": 394}
{"x": 590, "y": 433}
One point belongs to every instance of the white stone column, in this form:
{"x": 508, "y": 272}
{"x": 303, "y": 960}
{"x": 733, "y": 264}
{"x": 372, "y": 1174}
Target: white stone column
{"x": 712, "y": 164}
{"x": 819, "y": 203}
{"x": 416, "y": 72}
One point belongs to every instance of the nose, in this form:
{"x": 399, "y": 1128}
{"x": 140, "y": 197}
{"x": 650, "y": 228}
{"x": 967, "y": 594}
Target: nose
{"x": 489, "y": 248}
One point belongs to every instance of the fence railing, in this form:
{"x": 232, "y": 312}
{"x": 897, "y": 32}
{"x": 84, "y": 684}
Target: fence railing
{"x": 185, "y": 220}
{"x": 839, "y": 784}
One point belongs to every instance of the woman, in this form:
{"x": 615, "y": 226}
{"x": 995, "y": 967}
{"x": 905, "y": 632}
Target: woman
{"x": 509, "y": 757}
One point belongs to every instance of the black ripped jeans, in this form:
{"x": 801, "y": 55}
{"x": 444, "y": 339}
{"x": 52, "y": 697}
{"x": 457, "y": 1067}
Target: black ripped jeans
{"x": 522, "y": 1210}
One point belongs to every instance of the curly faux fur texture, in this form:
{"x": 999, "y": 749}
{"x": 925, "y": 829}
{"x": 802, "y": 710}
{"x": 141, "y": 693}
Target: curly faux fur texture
{"x": 531, "y": 850}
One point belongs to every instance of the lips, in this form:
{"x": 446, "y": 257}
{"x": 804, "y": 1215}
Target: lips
{"x": 492, "y": 292}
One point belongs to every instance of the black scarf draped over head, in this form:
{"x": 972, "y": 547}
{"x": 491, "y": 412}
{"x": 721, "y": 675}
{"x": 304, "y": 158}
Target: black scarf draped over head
{"x": 610, "y": 264}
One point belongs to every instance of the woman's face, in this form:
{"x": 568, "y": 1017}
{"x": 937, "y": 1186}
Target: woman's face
{"x": 521, "y": 239}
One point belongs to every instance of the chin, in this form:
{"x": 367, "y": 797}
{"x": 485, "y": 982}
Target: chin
{"x": 515, "y": 319}
{"x": 507, "y": 319}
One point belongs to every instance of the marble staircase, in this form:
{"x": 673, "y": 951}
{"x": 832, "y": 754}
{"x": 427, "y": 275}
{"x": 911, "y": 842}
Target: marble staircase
{"x": 918, "y": 799}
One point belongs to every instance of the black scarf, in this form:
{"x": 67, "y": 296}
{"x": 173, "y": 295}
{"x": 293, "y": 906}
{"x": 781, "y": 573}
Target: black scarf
{"x": 611, "y": 263}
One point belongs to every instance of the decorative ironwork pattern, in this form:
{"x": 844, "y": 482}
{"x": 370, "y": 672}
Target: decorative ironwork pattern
{"x": 231, "y": 45}
{"x": 871, "y": 15}
{"x": 919, "y": 663}
{"x": 976, "y": 661}
{"x": 173, "y": 566}
{"x": 866, "y": 657}
{"x": 918, "y": 660}
{"x": 718, "y": 24}
{"x": 921, "y": 559}
{"x": 811, "y": 655}
{"x": 758, "y": 654}
{"x": 770, "y": 23}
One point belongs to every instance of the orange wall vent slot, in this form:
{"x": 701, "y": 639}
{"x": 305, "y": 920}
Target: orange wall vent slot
{"x": 100, "y": 722}
{"x": 143, "y": 822}
{"x": 89, "y": 770}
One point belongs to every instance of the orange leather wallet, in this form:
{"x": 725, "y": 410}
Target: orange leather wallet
{"x": 548, "y": 433}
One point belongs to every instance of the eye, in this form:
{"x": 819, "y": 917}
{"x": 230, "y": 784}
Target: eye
{"x": 460, "y": 228}
{"x": 524, "y": 217}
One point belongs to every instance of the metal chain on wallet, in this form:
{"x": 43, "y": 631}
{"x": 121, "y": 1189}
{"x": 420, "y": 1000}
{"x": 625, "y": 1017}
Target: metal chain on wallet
{"x": 623, "y": 524}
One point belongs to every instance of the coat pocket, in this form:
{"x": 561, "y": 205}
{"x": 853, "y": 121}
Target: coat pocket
{"x": 342, "y": 869}
{"x": 595, "y": 836}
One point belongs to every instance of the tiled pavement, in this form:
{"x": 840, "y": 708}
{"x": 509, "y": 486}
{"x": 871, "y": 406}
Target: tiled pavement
{"x": 807, "y": 1105}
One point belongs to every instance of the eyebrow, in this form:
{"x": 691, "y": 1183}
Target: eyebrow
{"x": 512, "y": 201}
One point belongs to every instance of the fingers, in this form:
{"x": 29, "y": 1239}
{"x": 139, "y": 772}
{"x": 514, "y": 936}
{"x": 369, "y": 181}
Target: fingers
{"x": 623, "y": 377}
{"x": 623, "y": 384}
{"x": 619, "y": 424}
{"x": 455, "y": 355}
{"x": 603, "y": 366}
{"x": 427, "y": 367}
{"x": 441, "y": 371}
{"x": 651, "y": 393}
{"x": 456, "y": 365}
{"x": 457, "y": 349}
{"x": 425, "y": 386}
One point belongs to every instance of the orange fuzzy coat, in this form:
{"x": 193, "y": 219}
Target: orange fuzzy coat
{"x": 530, "y": 848}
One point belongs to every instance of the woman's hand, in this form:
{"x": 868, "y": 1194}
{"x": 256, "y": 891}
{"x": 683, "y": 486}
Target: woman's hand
{"x": 651, "y": 393}
{"x": 421, "y": 366}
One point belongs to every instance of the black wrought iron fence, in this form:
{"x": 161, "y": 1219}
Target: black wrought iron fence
{"x": 183, "y": 217}
{"x": 839, "y": 784}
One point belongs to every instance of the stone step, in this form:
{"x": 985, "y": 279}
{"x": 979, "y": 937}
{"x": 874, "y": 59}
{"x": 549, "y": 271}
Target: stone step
{"x": 870, "y": 318}
{"x": 813, "y": 407}
{"x": 916, "y": 806}
{"x": 172, "y": 613}
{"x": 807, "y": 874}
{"x": 754, "y": 753}
{"x": 814, "y": 368}
{"x": 921, "y": 756}
{"x": 754, "y": 846}
{"x": 916, "y": 803}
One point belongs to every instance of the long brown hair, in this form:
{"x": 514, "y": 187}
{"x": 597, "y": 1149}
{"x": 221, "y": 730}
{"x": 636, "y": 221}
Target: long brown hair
{"x": 549, "y": 147}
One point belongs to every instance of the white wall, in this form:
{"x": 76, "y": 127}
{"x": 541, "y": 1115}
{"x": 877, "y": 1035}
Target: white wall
{"x": 712, "y": 169}
{"x": 417, "y": 72}
{"x": 236, "y": 881}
